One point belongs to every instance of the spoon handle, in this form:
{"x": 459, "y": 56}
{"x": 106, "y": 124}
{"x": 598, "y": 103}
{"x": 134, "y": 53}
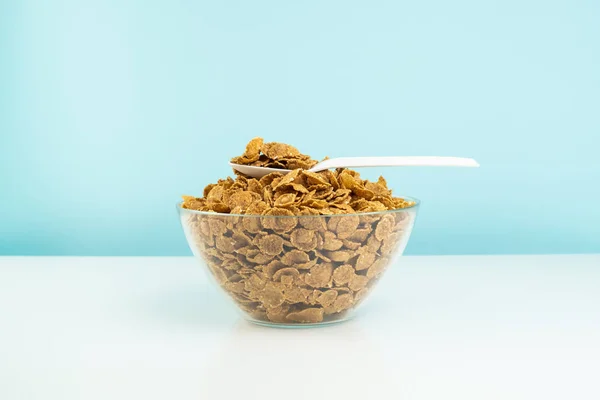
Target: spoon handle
{"x": 410, "y": 161}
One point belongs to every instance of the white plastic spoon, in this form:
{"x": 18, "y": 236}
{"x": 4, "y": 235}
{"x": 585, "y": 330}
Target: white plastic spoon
{"x": 356, "y": 162}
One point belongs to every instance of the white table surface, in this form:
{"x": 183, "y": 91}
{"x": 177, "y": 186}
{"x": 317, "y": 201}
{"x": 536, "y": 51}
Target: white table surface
{"x": 473, "y": 327}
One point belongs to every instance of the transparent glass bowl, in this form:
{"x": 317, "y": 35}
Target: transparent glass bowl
{"x": 297, "y": 270}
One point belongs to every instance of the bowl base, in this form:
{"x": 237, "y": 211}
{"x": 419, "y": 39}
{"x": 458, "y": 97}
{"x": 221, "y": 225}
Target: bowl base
{"x": 297, "y": 325}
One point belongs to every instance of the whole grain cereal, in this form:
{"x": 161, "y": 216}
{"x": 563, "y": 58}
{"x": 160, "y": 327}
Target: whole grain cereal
{"x": 299, "y": 247}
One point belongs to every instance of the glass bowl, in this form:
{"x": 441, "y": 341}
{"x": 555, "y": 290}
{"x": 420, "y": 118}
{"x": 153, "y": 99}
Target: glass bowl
{"x": 297, "y": 270}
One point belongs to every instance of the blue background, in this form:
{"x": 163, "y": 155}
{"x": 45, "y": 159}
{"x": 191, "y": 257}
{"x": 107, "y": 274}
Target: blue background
{"x": 110, "y": 110}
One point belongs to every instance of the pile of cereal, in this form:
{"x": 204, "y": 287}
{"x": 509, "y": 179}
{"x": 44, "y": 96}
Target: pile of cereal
{"x": 299, "y": 192}
{"x": 299, "y": 247}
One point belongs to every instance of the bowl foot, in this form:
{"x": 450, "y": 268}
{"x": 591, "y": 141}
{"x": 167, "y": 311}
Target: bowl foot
{"x": 298, "y": 325}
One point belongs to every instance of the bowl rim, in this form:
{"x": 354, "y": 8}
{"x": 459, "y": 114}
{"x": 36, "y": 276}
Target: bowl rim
{"x": 214, "y": 214}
